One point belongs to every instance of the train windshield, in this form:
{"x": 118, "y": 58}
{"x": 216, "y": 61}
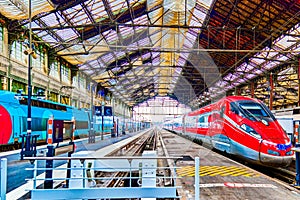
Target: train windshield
{"x": 254, "y": 111}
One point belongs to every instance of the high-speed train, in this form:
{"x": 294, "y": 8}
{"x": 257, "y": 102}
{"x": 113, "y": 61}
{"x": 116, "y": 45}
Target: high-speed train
{"x": 13, "y": 119}
{"x": 238, "y": 125}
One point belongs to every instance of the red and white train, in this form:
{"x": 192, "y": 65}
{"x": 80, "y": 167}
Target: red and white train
{"x": 238, "y": 125}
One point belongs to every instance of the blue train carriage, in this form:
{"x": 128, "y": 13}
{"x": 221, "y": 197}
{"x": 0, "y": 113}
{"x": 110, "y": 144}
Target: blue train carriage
{"x": 107, "y": 124}
{"x": 82, "y": 123}
{"x": 13, "y": 118}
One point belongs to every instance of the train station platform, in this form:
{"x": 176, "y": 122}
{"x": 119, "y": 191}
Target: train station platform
{"x": 100, "y": 147}
{"x": 198, "y": 173}
{"x": 221, "y": 177}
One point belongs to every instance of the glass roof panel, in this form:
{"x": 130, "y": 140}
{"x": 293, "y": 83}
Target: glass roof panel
{"x": 257, "y": 60}
{"x": 126, "y": 31}
{"x": 285, "y": 42}
{"x": 108, "y": 58}
{"x": 67, "y": 34}
{"x": 206, "y": 3}
{"x": 290, "y": 38}
{"x": 271, "y": 65}
{"x": 21, "y": 10}
{"x": 110, "y": 36}
{"x": 282, "y": 58}
{"x": 250, "y": 76}
{"x": 190, "y": 39}
{"x": 77, "y": 15}
{"x": 116, "y": 5}
{"x": 97, "y": 9}
{"x": 51, "y": 20}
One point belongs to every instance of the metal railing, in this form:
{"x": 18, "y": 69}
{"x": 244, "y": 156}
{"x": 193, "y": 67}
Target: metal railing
{"x": 3, "y": 178}
{"x": 140, "y": 182}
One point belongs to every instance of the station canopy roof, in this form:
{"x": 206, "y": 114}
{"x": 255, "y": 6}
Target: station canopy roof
{"x": 191, "y": 50}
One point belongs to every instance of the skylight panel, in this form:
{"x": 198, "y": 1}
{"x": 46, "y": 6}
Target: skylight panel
{"x": 111, "y": 36}
{"x": 286, "y": 42}
{"x": 221, "y": 84}
{"x": 97, "y": 9}
{"x": 156, "y": 61}
{"x": 257, "y": 71}
{"x": 189, "y": 40}
{"x": 257, "y": 60}
{"x": 271, "y": 65}
{"x": 51, "y": 20}
{"x": 205, "y": 3}
{"x": 144, "y": 42}
{"x": 90, "y": 72}
{"x": 93, "y": 63}
{"x": 120, "y": 54}
{"x": 282, "y": 57}
{"x": 117, "y": 5}
{"x": 198, "y": 17}
{"x": 108, "y": 58}
{"x": 49, "y": 39}
{"x": 181, "y": 60}
{"x": 77, "y": 15}
{"x": 250, "y": 76}
{"x": 126, "y": 31}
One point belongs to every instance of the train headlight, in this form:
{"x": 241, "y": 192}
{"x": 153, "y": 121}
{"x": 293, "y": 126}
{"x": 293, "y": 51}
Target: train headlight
{"x": 289, "y": 153}
{"x": 250, "y": 130}
{"x": 271, "y": 152}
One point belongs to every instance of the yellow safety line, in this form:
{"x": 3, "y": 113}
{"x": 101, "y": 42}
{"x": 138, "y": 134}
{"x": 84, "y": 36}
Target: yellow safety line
{"x": 216, "y": 170}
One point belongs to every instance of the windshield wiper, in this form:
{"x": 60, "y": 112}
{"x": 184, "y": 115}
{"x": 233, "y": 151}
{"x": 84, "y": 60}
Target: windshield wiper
{"x": 251, "y": 115}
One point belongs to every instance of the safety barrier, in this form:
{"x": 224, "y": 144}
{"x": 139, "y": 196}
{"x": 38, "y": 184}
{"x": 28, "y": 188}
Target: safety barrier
{"x": 297, "y": 152}
{"x": 3, "y": 178}
{"x": 296, "y": 132}
{"x": 83, "y": 184}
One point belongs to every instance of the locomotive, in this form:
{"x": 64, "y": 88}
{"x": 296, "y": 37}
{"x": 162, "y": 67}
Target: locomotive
{"x": 13, "y": 119}
{"x": 240, "y": 126}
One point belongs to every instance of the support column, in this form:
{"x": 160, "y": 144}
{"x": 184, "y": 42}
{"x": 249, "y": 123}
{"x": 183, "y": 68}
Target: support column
{"x": 298, "y": 103}
{"x": 48, "y": 184}
{"x": 252, "y": 89}
{"x": 271, "y": 92}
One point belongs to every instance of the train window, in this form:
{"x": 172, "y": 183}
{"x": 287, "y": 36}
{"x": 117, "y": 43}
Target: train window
{"x": 24, "y": 124}
{"x": 253, "y": 110}
{"x": 39, "y": 124}
{"x": 233, "y": 108}
{"x": 222, "y": 111}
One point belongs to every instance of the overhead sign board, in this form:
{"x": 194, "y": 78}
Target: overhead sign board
{"x": 103, "y": 110}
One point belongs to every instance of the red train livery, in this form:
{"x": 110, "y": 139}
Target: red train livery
{"x": 238, "y": 125}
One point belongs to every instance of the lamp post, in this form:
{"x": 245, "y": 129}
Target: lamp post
{"x": 30, "y": 51}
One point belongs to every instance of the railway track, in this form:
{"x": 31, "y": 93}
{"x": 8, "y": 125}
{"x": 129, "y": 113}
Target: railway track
{"x": 135, "y": 148}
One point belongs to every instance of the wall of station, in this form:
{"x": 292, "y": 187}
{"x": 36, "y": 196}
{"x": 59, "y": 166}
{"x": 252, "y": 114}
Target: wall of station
{"x": 57, "y": 79}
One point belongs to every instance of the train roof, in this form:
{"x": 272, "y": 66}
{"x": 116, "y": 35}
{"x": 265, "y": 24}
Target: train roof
{"x": 238, "y": 98}
{"x": 228, "y": 98}
{"x": 7, "y": 96}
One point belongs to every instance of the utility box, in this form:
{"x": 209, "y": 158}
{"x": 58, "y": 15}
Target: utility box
{"x": 81, "y": 174}
{"x": 149, "y": 169}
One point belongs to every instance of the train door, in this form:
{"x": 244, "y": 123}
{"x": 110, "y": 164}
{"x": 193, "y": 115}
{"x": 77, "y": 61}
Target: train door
{"x": 19, "y": 124}
{"x": 58, "y": 129}
{"x": 221, "y": 140}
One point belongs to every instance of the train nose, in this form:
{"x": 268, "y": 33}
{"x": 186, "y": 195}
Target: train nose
{"x": 5, "y": 126}
{"x": 271, "y": 160}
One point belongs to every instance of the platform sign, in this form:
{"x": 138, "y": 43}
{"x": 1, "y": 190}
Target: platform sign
{"x": 98, "y": 110}
{"x": 107, "y": 111}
